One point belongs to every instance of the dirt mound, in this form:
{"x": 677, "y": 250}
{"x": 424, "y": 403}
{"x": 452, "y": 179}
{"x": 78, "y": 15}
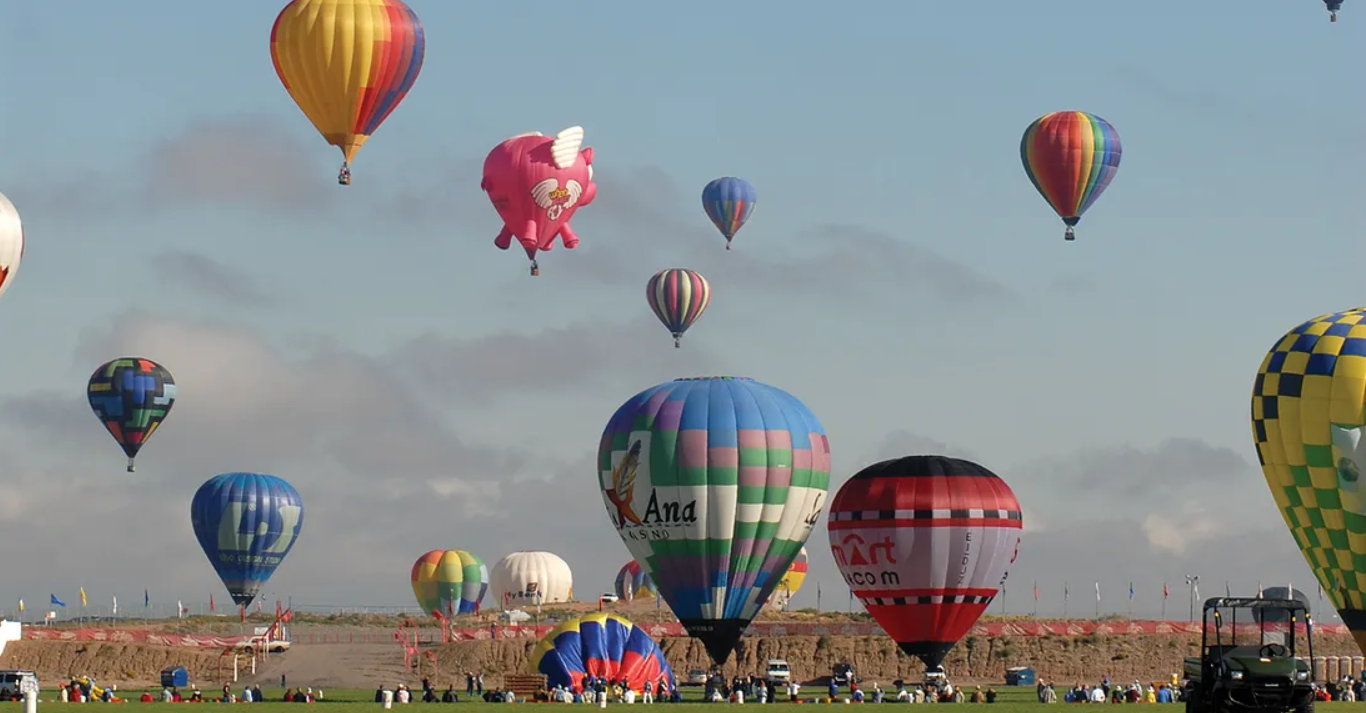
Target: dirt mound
{"x": 129, "y": 665}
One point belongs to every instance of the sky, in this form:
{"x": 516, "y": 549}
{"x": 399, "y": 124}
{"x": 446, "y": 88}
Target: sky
{"x": 899, "y": 275}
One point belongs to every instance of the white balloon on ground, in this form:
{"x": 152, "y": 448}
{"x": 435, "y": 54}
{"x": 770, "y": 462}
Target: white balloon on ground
{"x": 524, "y": 579}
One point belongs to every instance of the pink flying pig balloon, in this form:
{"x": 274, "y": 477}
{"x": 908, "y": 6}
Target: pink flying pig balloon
{"x": 536, "y": 183}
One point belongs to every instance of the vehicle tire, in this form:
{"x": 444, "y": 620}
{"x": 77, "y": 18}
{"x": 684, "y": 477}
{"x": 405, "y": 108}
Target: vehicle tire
{"x": 1308, "y": 707}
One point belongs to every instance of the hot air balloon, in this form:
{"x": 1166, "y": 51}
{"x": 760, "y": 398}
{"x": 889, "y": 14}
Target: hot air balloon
{"x": 536, "y": 183}
{"x": 678, "y": 298}
{"x": 1333, "y": 7}
{"x": 347, "y": 64}
{"x": 1279, "y": 616}
{"x": 716, "y": 514}
{"x": 605, "y": 646}
{"x": 924, "y": 542}
{"x": 1070, "y": 157}
{"x": 246, "y": 523}
{"x": 791, "y": 582}
{"x": 449, "y": 582}
{"x": 131, "y": 396}
{"x": 1308, "y": 419}
{"x": 728, "y": 202}
{"x": 632, "y": 582}
{"x": 531, "y": 578}
{"x": 11, "y": 243}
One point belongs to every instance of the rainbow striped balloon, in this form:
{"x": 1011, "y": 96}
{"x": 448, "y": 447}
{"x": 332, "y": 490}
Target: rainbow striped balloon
{"x": 678, "y": 297}
{"x": 1070, "y": 157}
{"x": 348, "y": 64}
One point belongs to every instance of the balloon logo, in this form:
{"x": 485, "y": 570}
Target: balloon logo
{"x": 11, "y": 243}
{"x": 678, "y": 298}
{"x": 347, "y": 64}
{"x": 246, "y": 523}
{"x": 536, "y": 183}
{"x": 449, "y": 582}
{"x": 1070, "y": 157}
{"x": 728, "y": 202}
{"x": 131, "y": 397}
{"x": 923, "y": 542}
{"x": 605, "y": 646}
{"x": 714, "y": 485}
{"x": 1307, "y": 420}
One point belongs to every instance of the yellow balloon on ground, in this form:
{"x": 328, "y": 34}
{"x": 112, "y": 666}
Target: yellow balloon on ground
{"x": 1308, "y": 420}
{"x": 347, "y": 64}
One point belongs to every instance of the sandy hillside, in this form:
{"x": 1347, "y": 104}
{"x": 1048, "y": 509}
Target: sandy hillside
{"x": 1065, "y": 659}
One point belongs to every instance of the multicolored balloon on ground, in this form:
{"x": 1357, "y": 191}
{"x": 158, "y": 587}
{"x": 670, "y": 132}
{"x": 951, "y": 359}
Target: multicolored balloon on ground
{"x": 924, "y": 543}
{"x": 131, "y": 396}
{"x": 605, "y": 646}
{"x": 536, "y": 183}
{"x": 1070, "y": 157}
{"x": 791, "y": 582}
{"x": 347, "y": 64}
{"x": 678, "y": 297}
{"x": 11, "y": 243}
{"x": 524, "y": 579}
{"x": 1309, "y": 423}
{"x": 714, "y": 485}
{"x": 246, "y": 523}
{"x": 729, "y": 202}
{"x": 449, "y": 582}
{"x": 632, "y": 583}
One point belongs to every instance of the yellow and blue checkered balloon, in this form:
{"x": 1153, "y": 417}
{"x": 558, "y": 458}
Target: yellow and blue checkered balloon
{"x": 1308, "y": 419}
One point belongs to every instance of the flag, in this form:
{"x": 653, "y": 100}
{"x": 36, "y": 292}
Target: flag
{"x": 1165, "y": 592}
{"x": 56, "y": 601}
{"x": 1259, "y": 590}
{"x": 1320, "y": 592}
{"x": 1196, "y": 589}
{"x": 1036, "y": 590}
{"x": 210, "y": 602}
{"x": 1066, "y": 593}
{"x": 1097, "y": 591}
{"x": 114, "y": 605}
{"x": 179, "y": 609}
{"x": 21, "y": 605}
{"x": 1131, "y": 590}
{"x": 1227, "y": 591}
{"x": 82, "y": 596}
{"x": 146, "y": 598}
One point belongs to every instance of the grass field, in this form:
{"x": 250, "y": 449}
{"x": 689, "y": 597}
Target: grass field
{"x": 1011, "y": 700}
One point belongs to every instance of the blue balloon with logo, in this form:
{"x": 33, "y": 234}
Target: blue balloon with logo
{"x": 246, "y": 523}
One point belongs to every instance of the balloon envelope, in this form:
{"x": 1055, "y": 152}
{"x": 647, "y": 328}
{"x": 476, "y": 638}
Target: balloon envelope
{"x": 678, "y": 298}
{"x": 924, "y": 542}
{"x": 729, "y": 202}
{"x": 604, "y": 645}
{"x": 449, "y": 582}
{"x": 1279, "y": 616}
{"x": 714, "y": 485}
{"x": 246, "y": 523}
{"x": 1308, "y": 403}
{"x": 524, "y": 579}
{"x": 11, "y": 243}
{"x": 131, "y": 396}
{"x": 536, "y": 183}
{"x": 347, "y": 63}
{"x": 791, "y": 581}
{"x": 1070, "y": 157}
{"x": 632, "y": 582}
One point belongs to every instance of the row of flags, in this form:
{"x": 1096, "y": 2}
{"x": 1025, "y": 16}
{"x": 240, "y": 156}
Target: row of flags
{"x": 114, "y": 603}
{"x": 1193, "y": 582}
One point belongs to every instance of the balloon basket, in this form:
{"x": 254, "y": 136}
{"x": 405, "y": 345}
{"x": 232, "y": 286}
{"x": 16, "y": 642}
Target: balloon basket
{"x": 131, "y": 467}
{"x": 1069, "y": 234}
{"x": 535, "y": 270}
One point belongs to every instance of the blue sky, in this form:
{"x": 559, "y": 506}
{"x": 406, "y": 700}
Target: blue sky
{"x": 900, "y": 274}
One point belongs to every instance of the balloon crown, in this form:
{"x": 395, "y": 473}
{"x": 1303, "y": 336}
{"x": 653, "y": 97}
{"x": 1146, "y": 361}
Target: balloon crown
{"x": 714, "y": 378}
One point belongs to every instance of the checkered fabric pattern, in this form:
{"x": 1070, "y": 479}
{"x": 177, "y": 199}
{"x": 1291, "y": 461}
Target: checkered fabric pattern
{"x": 1312, "y": 379}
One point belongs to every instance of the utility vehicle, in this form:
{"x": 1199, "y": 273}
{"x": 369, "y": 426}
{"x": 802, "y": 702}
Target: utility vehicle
{"x": 1248, "y": 664}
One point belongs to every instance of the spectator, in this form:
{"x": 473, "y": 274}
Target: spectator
{"x": 146, "y": 697}
{"x": 991, "y": 695}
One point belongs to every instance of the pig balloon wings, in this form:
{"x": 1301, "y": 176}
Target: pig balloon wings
{"x": 536, "y": 183}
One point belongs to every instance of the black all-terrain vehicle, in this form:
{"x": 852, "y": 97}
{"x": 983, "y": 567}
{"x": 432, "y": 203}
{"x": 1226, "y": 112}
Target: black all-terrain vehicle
{"x": 1248, "y": 663}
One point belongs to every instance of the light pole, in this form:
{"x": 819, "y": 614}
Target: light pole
{"x": 1192, "y": 583}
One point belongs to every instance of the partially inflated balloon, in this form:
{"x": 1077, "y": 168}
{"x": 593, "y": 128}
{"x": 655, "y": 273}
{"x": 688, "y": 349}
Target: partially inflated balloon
{"x": 632, "y": 582}
{"x": 924, "y": 543}
{"x": 607, "y": 646}
{"x": 449, "y": 582}
{"x": 536, "y": 183}
{"x": 11, "y": 243}
{"x": 791, "y": 582}
{"x": 1308, "y": 420}
{"x": 678, "y": 298}
{"x": 347, "y": 64}
{"x": 728, "y": 202}
{"x": 1070, "y": 157}
{"x": 131, "y": 396}
{"x": 714, "y": 485}
{"x": 246, "y": 523}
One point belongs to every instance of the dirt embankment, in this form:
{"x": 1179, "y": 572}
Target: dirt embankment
{"x": 1064, "y": 659}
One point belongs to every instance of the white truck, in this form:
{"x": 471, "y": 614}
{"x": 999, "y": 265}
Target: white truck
{"x": 778, "y": 672}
